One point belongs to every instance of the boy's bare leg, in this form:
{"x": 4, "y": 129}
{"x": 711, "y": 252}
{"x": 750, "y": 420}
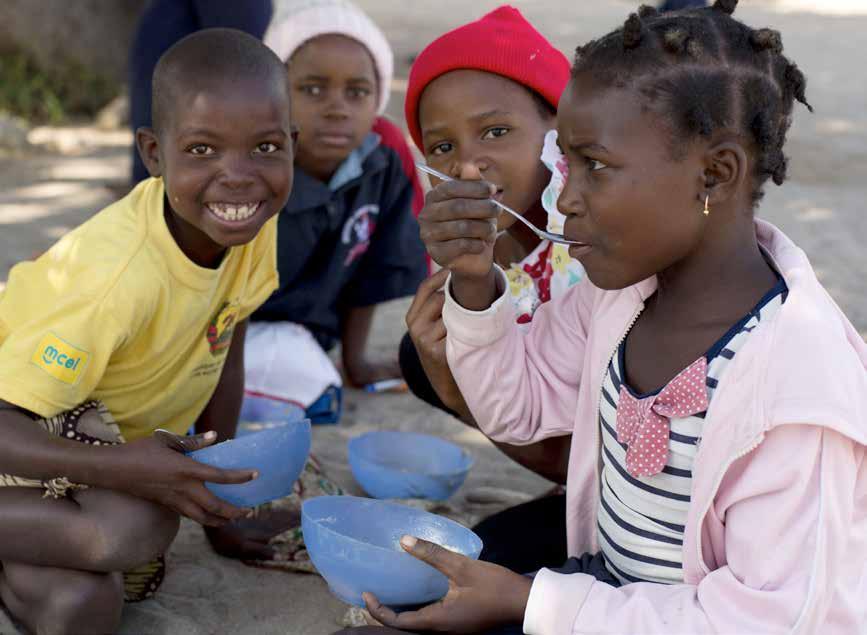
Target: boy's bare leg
{"x": 97, "y": 530}
{"x": 52, "y": 601}
{"x": 61, "y": 559}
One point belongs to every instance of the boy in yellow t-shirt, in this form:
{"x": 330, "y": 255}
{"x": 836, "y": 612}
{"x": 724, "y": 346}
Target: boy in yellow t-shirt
{"x": 134, "y": 322}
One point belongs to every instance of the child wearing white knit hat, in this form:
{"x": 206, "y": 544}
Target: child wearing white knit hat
{"x": 347, "y": 239}
{"x": 297, "y": 21}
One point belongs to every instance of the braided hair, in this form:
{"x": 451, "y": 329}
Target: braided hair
{"x": 705, "y": 71}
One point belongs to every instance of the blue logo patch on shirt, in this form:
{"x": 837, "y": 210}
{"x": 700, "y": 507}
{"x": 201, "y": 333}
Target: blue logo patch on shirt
{"x": 60, "y": 359}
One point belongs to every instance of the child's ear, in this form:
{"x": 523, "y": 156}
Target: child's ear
{"x": 726, "y": 172}
{"x": 149, "y": 150}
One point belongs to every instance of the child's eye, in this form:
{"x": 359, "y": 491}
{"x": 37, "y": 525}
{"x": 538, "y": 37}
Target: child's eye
{"x": 200, "y": 149}
{"x": 312, "y": 89}
{"x": 593, "y": 165}
{"x": 495, "y": 133}
{"x": 441, "y": 148}
{"x": 359, "y": 93}
{"x": 266, "y": 148}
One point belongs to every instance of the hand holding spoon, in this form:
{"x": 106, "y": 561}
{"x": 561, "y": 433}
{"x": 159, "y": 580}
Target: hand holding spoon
{"x": 544, "y": 235}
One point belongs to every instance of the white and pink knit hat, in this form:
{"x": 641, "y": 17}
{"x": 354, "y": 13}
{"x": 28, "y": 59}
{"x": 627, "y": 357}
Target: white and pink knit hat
{"x": 294, "y": 22}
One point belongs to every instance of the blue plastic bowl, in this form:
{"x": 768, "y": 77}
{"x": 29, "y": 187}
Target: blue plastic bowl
{"x": 260, "y": 413}
{"x": 391, "y": 464}
{"x": 355, "y": 545}
{"x": 278, "y": 453}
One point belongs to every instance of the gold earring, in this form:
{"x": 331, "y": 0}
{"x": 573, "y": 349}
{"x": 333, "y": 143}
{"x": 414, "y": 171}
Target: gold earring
{"x": 706, "y": 208}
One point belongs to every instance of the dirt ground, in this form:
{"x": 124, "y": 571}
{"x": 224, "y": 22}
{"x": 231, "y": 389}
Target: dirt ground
{"x": 69, "y": 174}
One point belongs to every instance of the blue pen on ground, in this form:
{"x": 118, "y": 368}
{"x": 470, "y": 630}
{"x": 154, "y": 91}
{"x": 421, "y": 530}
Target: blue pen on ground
{"x": 386, "y": 385}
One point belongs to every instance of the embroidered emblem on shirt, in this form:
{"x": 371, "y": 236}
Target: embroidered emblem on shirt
{"x": 221, "y": 328}
{"x": 357, "y": 231}
{"x": 60, "y": 359}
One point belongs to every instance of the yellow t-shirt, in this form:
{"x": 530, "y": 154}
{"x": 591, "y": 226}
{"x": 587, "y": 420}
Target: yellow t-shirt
{"x": 116, "y": 311}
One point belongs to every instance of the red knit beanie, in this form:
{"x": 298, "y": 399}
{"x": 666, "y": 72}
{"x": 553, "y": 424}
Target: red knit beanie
{"x": 501, "y": 42}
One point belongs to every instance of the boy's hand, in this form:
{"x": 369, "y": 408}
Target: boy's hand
{"x": 428, "y": 333}
{"x": 249, "y": 538}
{"x": 481, "y": 595}
{"x": 358, "y": 368}
{"x": 459, "y": 227}
{"x": 156, "y": 469}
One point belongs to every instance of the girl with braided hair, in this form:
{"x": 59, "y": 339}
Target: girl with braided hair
{"x": 716, "y": 395}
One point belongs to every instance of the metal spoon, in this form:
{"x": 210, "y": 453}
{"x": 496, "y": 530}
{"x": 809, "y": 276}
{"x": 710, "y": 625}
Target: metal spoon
{"x": 544, "y": 235}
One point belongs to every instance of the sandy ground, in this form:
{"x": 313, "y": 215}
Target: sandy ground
{"x": 46, "y": 192}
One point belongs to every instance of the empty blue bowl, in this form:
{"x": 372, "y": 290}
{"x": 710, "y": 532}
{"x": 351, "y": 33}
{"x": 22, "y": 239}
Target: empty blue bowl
{"x": 278, "y": 453}
{"x": 260, "y": 413}
{"x": 355, "y": 545}
{"x": 391, "y": 464}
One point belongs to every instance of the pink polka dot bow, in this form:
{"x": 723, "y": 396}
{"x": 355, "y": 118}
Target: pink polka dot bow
{"x": 643, "y": 424}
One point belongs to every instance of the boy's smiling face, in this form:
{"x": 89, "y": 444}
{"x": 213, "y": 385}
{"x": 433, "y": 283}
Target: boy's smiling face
{"x": 478, "y": 125}
{"x": 225, "y": 155}
{"x": 334, "y": 101}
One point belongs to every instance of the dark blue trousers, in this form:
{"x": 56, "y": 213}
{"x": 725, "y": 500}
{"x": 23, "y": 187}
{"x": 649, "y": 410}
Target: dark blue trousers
{"x": 163, "y": 23}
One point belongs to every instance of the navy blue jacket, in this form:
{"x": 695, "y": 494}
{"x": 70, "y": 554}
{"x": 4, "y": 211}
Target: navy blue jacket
{"x": 356, "y": 246}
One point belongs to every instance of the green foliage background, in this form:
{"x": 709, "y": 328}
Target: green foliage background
{"x": 68, "y": 91}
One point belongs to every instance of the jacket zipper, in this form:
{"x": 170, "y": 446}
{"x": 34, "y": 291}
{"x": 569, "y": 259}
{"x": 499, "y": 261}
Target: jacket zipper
{"x": 601, "y": 384}
{"x": 752, "y": 446}
{"x": 614, "y": 352}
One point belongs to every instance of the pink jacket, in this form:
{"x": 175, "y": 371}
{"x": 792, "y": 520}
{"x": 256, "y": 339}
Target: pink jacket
{"x": 776, "y": 538}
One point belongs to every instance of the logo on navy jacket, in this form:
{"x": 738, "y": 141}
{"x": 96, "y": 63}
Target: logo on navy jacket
{"x": 358, "y": 230}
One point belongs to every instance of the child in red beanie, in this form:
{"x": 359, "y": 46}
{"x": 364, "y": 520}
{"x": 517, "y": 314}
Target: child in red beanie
{"x": 480, "y": 101}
